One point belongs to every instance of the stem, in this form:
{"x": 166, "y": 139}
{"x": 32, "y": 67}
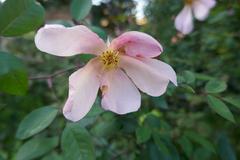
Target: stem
{"x": 57, "y": 73}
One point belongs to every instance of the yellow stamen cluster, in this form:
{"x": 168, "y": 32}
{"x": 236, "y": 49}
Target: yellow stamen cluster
{"x": 110, "y": 59}
{"x": 188, "y": 1}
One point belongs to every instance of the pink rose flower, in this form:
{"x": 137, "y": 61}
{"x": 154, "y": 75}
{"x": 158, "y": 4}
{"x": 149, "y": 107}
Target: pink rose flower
{"x": 200, "y": 9}
{"x": 118, "y": 68}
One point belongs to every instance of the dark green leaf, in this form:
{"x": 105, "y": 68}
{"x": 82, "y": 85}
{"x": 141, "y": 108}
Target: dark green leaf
{"x": 215, "y": 86}
{"x": 220, "y": 108}
{"x": 161, "y": 145}
{"x": 76, "y": 143}
{"x": 143, "y": 134}
{"x": 20, "y": 16}
{"x": 186, "y": 145}
{"x": 36, "y": 147}
{"x": 80, "y": 9}
{"x": 235, "y": 101}
{"x": 200, "y": 140}
{"x": 159, "y": 102}
{"x": 13, "y": 75}
{"x": 225, "y": 149}
{"x": 36, "y": 121}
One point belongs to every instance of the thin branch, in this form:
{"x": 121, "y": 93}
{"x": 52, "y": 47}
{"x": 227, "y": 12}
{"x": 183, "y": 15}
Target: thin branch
{"x": 57, "y": 73}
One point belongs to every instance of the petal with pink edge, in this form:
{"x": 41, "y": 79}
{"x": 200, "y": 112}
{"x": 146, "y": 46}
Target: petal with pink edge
{"x": 61, "y": 41}
{"x": 149, "y": 76}
{"x": 119, "y": 93}
{"x": 200, "y": 10}
{"x": 138, "y": 44}
{"x": 184, "y": 20}
{"x": 83, "y": 88}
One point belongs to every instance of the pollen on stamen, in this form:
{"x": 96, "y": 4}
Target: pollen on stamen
{"x": 110, "y": 59}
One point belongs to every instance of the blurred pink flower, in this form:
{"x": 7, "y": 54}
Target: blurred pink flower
{"x": 200, "y": 9}
{"x": 118, "y": 68}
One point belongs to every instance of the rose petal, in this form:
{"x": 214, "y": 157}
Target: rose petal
{"x": 184, "y": 20}
{"x": 164, "y": 69}
{"x": 83, "y": 88}
{"x": 119, "y": 93}
{"x": 61, "y": 41}
{"x": 200, "y": 10}
{"x": 148, "y": 75}
{"x": 208, "y": 3}
{"x": 137, "y": 44}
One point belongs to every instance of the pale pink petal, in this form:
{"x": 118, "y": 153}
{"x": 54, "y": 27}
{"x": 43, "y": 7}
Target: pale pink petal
{"x": 61, "y": 41}
{"x": 148, "y": 75}
{"x": 184, "y": 20}
{"x": 209, "y": 3}
{"x": 164, "y": 69}
{"x": 137, "y": 44}
{"x": 83, "y": 88}
{"x": 119, "y": 93}
{"x": 200, "y": 10}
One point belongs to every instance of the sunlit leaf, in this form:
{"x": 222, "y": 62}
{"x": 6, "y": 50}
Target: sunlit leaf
{"x": 20, "y": 16}
{"x": 220, "y": 108}
{"x": 76, "y": 143}
{"x": 36, "y": 121}
{"x": 36, "y": 147}
{"x": 80, "y": 8}
{"x": 13, "y": 75}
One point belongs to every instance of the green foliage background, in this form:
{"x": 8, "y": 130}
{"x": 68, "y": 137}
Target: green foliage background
{"x": 197, "y": 120}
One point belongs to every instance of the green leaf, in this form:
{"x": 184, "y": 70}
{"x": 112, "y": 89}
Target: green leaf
{"x": 95, "y": 110}
{"x": 143, "y": 134}
{"x": 13, "y": 75}
{"x": 100, "y": 32}
{"x": 18, "y": 17}
{"x": 186, "y": 146}
{"x": 187, "y": 88}
{"x": 220, "y": 108}
{"x": 159, "y": 102}
{"x": 36, "y": 147}
{"x": 225, "y": 149}
{"x": 76, "y": 143}
{"x": 235, "y": 101}
{"x": 80, "y": 9}
{"x": 215, "y": 86}
{"x": 161, "y": 145}
{"x": 189, "y": 77}
{"x": 85, "y": 57}
{"x": 52, "y": 156}
{"x": 36, "y": 121}
{"x": 200, "y": 140}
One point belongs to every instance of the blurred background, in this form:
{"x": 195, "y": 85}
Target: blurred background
{"x": 198, "y": 120}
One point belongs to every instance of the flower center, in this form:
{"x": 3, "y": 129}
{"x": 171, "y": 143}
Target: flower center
{"x": 188, "y": 1}
{"x": 110, "y": 59}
